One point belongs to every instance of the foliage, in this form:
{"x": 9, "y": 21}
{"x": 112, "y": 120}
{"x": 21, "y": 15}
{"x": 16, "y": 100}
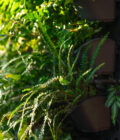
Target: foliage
{"x": 38, "y": 67}
{"x": 113, "y": 101}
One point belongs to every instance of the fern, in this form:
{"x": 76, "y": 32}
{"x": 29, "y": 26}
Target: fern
{"x": 93, "y": 72}
{"x": 84, "y": 59}
{"x": 47, "y": 38}
{"x": 43, "y": 79}
{"x": 95, "y": 53}
{"x": 113, "y": 102}
{"x": 81, "y": 77}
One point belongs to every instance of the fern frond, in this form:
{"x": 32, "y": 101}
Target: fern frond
{"x": 82, "y": 77}
{"x": 47, "y": 38}
{"x": 95, "y": 53}
{"x": 84, "y": 59}
{"x": 93, "y": 72}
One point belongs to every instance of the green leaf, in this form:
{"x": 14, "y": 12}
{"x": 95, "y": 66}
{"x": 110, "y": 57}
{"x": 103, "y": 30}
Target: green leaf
{"x": 118, "y": 98}
{"x": 118, "y": 101}
{"x": 14, "y": 111}
{"x": 111, "y": 94}
{"x": 81, "y": 77}
{"x": 112, "y": 89}
{"x": 27, "y": 89}
{"x": 95, "y": 54}
{"x": 76, "y": 99}
{"x": 63, "y": 81}
{"x": 110, "y": 101}
{"x": 118, "y": 104}
{"x": 13, "y": 76}
{"x": 93, "y": 72}
{"x": 114, "y": 113}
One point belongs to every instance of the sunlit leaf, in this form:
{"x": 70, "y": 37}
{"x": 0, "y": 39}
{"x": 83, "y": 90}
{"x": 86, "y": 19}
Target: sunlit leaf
{"x": 14, "y": 111}
{"x": 13, "y": 76}
{"x": 63, "y": 81}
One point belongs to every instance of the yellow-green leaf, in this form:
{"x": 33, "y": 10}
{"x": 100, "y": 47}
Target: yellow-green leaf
{"x": 63, "y": 81}
{"x": 13, "y": 76}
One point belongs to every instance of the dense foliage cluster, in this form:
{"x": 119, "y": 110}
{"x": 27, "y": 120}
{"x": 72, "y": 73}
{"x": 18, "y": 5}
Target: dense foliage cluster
{"x": 37, "y": 66}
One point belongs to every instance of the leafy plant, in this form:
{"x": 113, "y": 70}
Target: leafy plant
{"x": 40, "y": 98}
{"x": 113, "y": 101}
{"x": 39, "y": 79}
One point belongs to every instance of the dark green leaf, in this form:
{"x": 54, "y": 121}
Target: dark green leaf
{"x": 110, "y": 101}
{"x": 114, "y": 113}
